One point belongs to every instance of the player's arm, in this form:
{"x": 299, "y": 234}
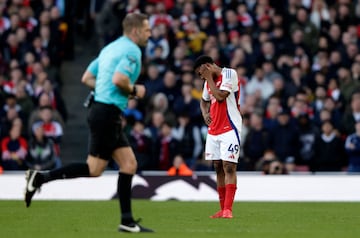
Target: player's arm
{"x": 89, "y": 76}
{"x": 205, "y": 105}
{"x": 205, "y": 111}
{"x": 220, "y": 95}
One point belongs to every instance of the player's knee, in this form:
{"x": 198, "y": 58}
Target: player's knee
{"x": 229, "y": 168}
{"x": 218, "y": 166}
{"x": 95, "y": 172}
{"x": 129, "y": 166}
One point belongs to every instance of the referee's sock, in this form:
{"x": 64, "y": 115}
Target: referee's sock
{"x": 74, "y": 170}
{"x": 124, "y": 193}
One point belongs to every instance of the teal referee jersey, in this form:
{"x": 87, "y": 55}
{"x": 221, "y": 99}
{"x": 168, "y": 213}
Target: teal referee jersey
{"x": 123, "y": 56}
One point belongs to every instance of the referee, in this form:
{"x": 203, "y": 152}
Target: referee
{"x": 112, "y": 75}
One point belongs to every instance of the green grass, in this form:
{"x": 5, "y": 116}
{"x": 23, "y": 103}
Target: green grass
{"x": 86, "y": 219}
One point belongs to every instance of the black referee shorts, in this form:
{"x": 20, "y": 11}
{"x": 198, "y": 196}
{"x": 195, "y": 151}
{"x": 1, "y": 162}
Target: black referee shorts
{"x": 106, "y": 132}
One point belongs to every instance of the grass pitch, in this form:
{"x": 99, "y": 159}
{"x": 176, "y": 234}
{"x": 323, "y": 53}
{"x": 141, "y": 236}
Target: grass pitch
{"x": 172, "y": 219}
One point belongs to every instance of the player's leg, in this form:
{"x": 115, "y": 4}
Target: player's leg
{"x": 230, "y": 187}
{"x": 229, "y": 150}
{"x": 34, "y": 179}
{"x": 220, "y": 184}
{"x": 101, "y": 120}
{"x": 126, "y": 160}
{"x": 212, "y": 149}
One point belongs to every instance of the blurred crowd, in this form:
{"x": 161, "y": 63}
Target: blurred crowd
{"x": 298, "y": 63}
{"x": 34, "y": 40}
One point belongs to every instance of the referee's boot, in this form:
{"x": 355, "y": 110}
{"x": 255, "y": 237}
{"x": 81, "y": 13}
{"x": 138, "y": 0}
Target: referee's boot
{"x": 133, "y": 227}
{"x": 31, "y": 177}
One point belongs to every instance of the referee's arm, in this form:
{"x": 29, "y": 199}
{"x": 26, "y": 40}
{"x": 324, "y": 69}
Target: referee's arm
{"x": 123, "y": 82}
{"x": 88, "y": 79}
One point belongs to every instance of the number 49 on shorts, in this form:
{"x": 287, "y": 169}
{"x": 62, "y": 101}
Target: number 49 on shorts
{"x": 233, "y": 148}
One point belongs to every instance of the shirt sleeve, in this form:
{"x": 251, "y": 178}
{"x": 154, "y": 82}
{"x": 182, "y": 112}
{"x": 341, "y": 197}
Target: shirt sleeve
{"x": 205, "y": 93}
{"x": 227, "y": 80}
{"x": 93, "y": 67}
{"x": 127, "y": 64}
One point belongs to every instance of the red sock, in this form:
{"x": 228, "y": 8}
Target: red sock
{"x": 221, "y": 192}
{"x": 230, "y": 194}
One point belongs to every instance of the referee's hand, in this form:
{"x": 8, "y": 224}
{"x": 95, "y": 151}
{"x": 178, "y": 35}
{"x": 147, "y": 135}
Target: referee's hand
{"x": 140, "y": 90}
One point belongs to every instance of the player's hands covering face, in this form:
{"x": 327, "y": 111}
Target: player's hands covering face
{"x": 206, "y": 71}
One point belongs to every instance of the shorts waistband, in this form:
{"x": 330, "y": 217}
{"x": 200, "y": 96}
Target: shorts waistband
{"x": 111, "y": 106}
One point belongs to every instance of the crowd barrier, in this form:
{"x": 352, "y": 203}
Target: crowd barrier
{"x": 156, "y": 186}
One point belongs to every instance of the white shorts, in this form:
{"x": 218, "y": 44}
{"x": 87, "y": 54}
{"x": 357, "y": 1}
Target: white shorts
{"x": 223, "y": 147}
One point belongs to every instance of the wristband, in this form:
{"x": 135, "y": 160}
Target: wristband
{"x": 134, "y": 91}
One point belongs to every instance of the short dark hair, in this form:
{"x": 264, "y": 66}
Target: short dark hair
{"x": 203, "y": 59}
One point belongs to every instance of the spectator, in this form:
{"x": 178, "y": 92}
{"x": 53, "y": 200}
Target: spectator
{"x": 347, "y": 84}
{"x": 52, "y": 129}
{"x": 308, "y": 133}
{"x": 44, "y": 101}
{"x": 42, "y": 154}
{"x": 188, "y": 139}
{"x": 179, "y": 168}
{"x": 329, "y": 150}
{"x": 141, "y": 144}
{"x": 153, "y": 81}
{"x": 303, "y": 22}
{"x": 320, "y": 15}
{"x": 10, "y": 103}
{"x": 352, "y": 115}
{"x": 186, "y": 103}
{"x": 280, "y": 90}
{"x": 319, "y": 100}
{"x": 7, "y": 121}
{"x": 198, "y": 85}
{"x": 238, "y": 57}
{"x": 329, "y": 104}
{"x": 259, "y": 84}
{"x": 108, "y": 21}
{"x": 132, "y": 110}
{"x": 272, "y": 109}
{"x": 160, "y": 16}
{"x": 270, "y": 164}
{"x": 56, "y": 99}
{"x": 159, "y": 103}
{"x": 166, "y": 147}
{"x": 177, "y": 59}
{"x": 296, "y": 81}
{"x": 4, "y": 20}
{"x": 24, "y": 101}
{"x": 51, "y": 44}
{"x": 16, "y": 76}
{"x": 14, "y": 149}
{"x": 51, "y": 71}
{"x": 284, "y": 140}
{"x": 256, "y": 141}
{"x": 352, "y": 147}
{"x": 206, "y": 23}
{"x": 170, "y": 87}
{"x": 157, "y": 39}
{"x": 334, "y": 92}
